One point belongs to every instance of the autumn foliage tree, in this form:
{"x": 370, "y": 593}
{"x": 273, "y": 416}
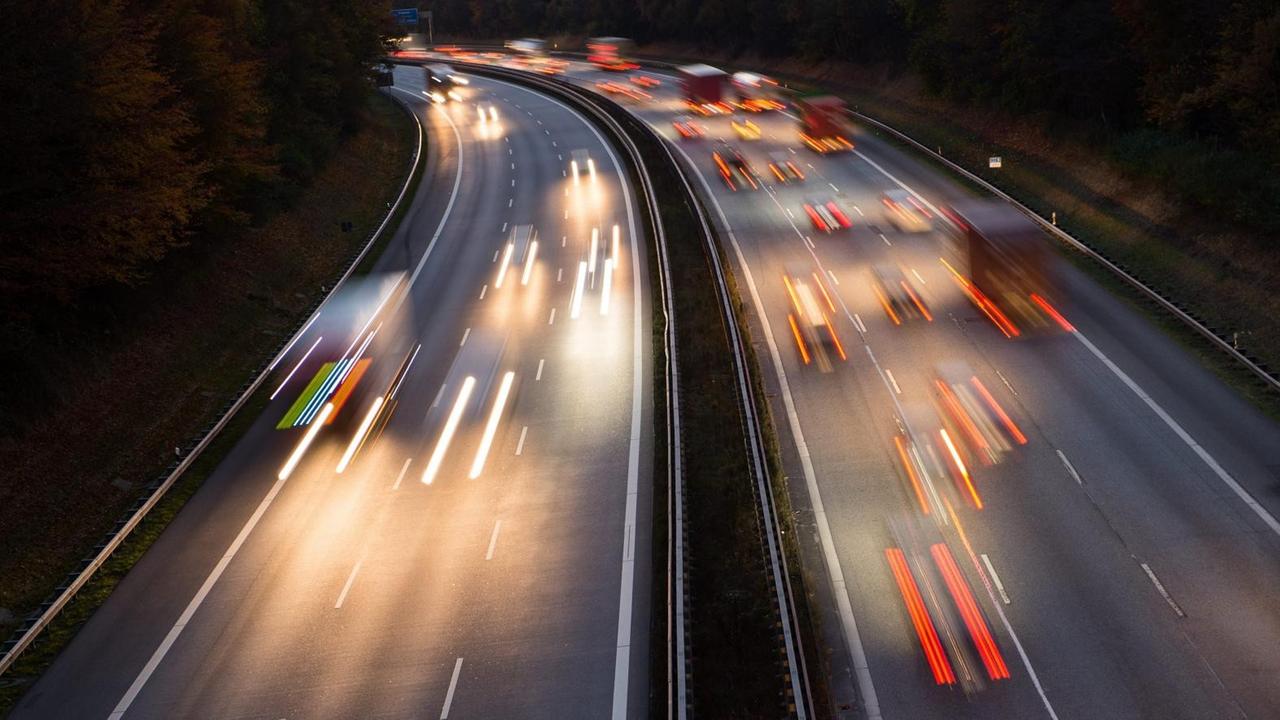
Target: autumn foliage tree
{"x": 135, "y": 127}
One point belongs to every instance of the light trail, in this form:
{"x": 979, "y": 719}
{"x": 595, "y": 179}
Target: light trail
{"x": 450, "y": 427}
{"x": 491, "y": 427}
{"x": 578, "y": 288}
{"x": 528, "y": 263}
{"x": 289, "y": 377}
{"x": 502, "y": 269}
{"x": 605, "y": 291}
{"x": 359, "y": 437}
{"x": 305, "y": 443}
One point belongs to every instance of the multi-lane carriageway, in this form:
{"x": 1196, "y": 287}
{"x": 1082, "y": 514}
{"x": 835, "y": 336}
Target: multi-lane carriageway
{"x": 376, "y": 574}
{"x": 1118, "y": 559}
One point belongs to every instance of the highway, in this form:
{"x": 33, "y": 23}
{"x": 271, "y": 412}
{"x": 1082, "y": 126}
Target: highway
{"x": 469, "y": 536}
{"x": 1119, "y": 561}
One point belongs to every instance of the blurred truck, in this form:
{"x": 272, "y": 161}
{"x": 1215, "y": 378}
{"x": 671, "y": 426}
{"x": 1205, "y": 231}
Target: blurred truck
{"x": 528, "y": 46}
{"x": 823, "y": 127}
{"x": 610, "y": 53}
{"x": 1003, "y": 266}
{"x": 703, "y": 87}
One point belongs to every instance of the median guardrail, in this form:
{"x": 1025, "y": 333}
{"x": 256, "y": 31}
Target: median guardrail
{"x": 679, "y": 669}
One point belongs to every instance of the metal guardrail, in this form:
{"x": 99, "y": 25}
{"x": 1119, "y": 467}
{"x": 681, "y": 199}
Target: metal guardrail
{"x": 785, "y": 596}
{"x": 1071, "y": 241}
{"x": 27, "y": 633}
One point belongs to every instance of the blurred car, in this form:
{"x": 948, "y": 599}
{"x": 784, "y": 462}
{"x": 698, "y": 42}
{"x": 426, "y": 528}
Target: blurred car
{"x": 646, "y": 81}
{"x": 687, "y": 128}
{"x": 905, "y": 212}
{"x": 617, "y": 88}
{"x": 810, "y": 317}
{"x": 745, "y": 129}
{"x": 580, "y": 162}
{"x": 784, "y": 168}
{"x": 899, "y": 298}
{"x": 972, "y": 413}
{"x": 521, "y": 252}
{"x": 709, "y": 109}
{"x": 826, "y": 215}
{"x": 733, "y": 167}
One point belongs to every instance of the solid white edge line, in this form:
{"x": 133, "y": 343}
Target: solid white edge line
{"x": 453, "y": 685}
{"x": 1204, "y": 455}
{"x": 172, "y": 636}
{"x": 849, "y": 624}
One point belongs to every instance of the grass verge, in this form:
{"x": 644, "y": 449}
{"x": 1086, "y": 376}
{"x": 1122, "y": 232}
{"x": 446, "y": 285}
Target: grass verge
{"x": 205, "y": 338}
{"x": 738, "y": 662}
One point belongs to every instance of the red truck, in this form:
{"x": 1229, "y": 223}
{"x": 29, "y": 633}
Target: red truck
{"x": 823, "y": 128}
{"x": 1008, "y": 276}
{"x": 704, "y": 89}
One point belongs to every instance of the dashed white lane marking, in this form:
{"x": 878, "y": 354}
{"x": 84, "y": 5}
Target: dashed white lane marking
{"x": 453, "y": 685}
{"x": 504, "y": 227}
{"x": 513, "y": 184}
{"x": 1007, "y": 383}
{"x": 789, "y": 213}
{"x": 553, "y": 144}
{"x": 520, "y": 445}
{"x": 859, "y": 211}
{"x": 493, "y": 540}
{"x": 559, "y": 274}
{"x": 342, "y": 596}
{"x": 1070, "y": 468}
{"x": 403, "y": 469}
{"x": 885, "y": 239}
{"x": 552, "y": 320}
{"x": 513, "y": 166}
{"x": 563, "y": 239}
{"x": 1163, "y": 593}
{"x": 465, "y": 334}
{"x": 439, "y": 393}
{"x": 510, "y": 201}
{"x": 918, "y": 276}
{"x": 483, "y": 290}
{"x": 495, "y": 256}
{"x": 1204, "y": 455}
{"x": 857, "y": 319}
{"x": 1004, "y": 596}
{"x": 833, "y": 277}
{"x": 893, "y": 381}
{"x": 833, "y": 187}
{"x": 539, "y": 375}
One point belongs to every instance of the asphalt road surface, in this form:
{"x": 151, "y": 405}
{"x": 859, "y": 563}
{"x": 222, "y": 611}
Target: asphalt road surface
{"x": 1120, "y": 562}
{"x": 483, "y": 552}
